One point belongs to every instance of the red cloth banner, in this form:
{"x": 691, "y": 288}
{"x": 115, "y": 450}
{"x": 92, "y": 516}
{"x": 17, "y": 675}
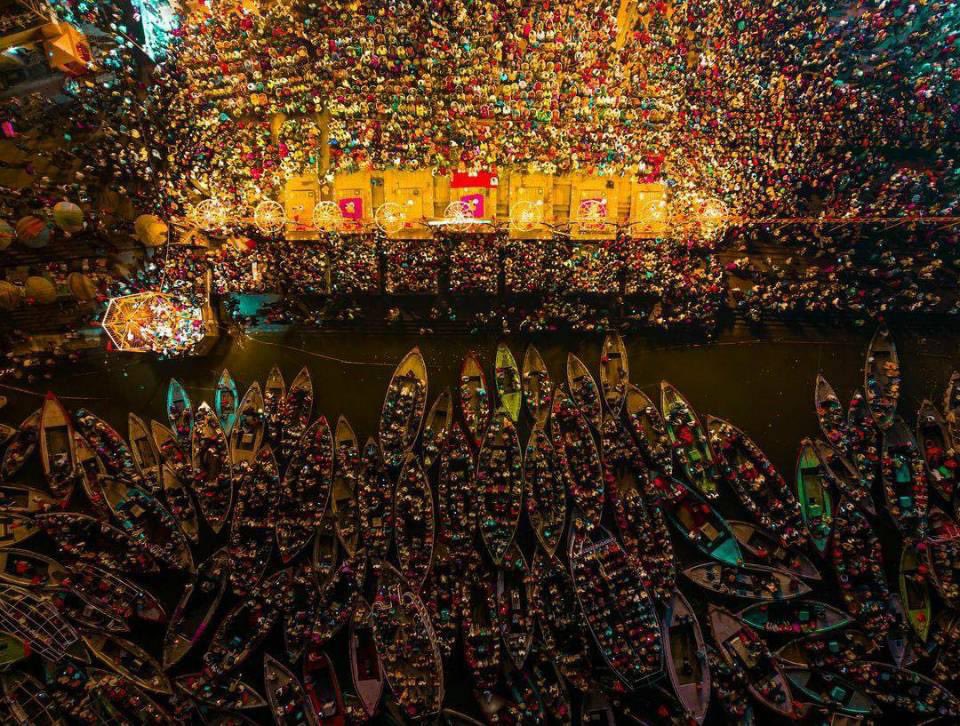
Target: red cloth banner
{"x": 476, "y": 204}
{"x": 483, "y": 180}
{"x": 351, "y": 208}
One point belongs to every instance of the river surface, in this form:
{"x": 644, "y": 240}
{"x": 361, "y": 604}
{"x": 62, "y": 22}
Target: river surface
{"x": 762, "y": 384}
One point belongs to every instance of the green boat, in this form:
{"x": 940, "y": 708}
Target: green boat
{"x": 813, "y": 492}
{"x": 701, "y": 525}
{"x": 794, "y": 617}
{"x": 225, "y": 401}
{"x": 12, "y": 650}
{"x": 509, "y": 391}
{"x": 179, "y": 411}
{"x": 690, "y": 441}
{"x": 829, "y": 689}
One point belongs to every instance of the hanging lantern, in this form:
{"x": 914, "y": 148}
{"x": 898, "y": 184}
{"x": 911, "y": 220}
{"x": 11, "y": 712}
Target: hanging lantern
{"x": 40, "y": 290}
{"x": 150, "y": 230}
{"x": 269, "y": 217}
{"x": 33, "y": 232}
{"x": 154, "y": 322}
{"x": 7, "y": 233}
{"x": 68, "y": 217}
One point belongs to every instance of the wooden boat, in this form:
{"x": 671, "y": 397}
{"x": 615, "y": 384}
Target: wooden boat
{"x": 832, "y": 691}
{"x": 831, "y": 416}
{"x": 7, "y": 432}
{"x": 557, "y": 611}
{"x": 338, "y": 599}
{"x": 228, "y": 693}
{"x": 375, "y": 502}
{"x": 21, "y": 446}
{"x": 28, "y": 702}
{"x": 179, "y": 412}
{"x": 213, "y": 477}
{"x": 90, "y": 470}
{"x": 689, "y": 441}
{"x": 537, "y": 386}
{"x": 171, "y": 452}
{"x": 649, "y": 431}
{"x": 951, "y": 405}
{"x": 402, "y": 412}
{"x": 943, "y": 556}
{"x": 751, "y": 582}
{"x": 299, "y": 612}
{"x": 903, "y": 690}
{"x": 146, "y": 457}
{"x": 148, "y": 523}
{"x": 546, "y": 493}
{"x": 642, "y": 526}
{"x": 474, "y": 398}
{"x": 480, "y": 628}
{"x": 408, "y": 647}
{"x": 794, "y": 617}
{"x": 414, "y": 523}
{"x": 31, "y": 570}
{"x": 129, "y": 660}
{"x": 881, "y": 378}
{"x": 247, "y": 433}
{"x": 254, "y": 521}
{"x": 863, "y": 433}
{"x": 115, "y": 595}
{"x": 456, "y": 496}
{"x": 324, "y": 697}
{"x": 579, "y": 459}
{"x": 242, "y": 630}
{"x": 514, "y": 603}
{"x": 58, "y": 453}
{"x": 198, "y": 603}
{"x": 15, "y": 528}
{"x": 288, "y": 700}
{"x": 550, "y": 686}
{"x": 900, "y": 635}
{"x": 32, "y": 618}
{"x": 442, "y": 593}
{"x": 615, "y": 603}
{"x": 596, "y": 710}
{"x": 69, "y": 685}
{"x": 296, "y": 408}
{"x": 756, "y": 482}
{"x": 813, "y": 493}
{"x": 12, "y": 650}
{"x": 343, "y": 497}
{"x": 741, "y": 647}
{"x": 500, "y": 483}
{"x": 274, "y": 391}
{"x": 507, "y": 379}
{"x": 946, "y": 633}
{"x": 326, "y": 550}
{"x": 366, "y": 668}
{"x": 827, "y": 651}
{"x": 686, "y": 656}
{"x": 731, "y": 681}
{"x": 767, "y": 551}
{"x": 449, "y": 717}
{"x": 702, "y": 526}
{"x": 845, "y": 478}
{"x": 26, "y": 500}
{"x": 83, "y": 615}
{"x": 614, "y": 372}
{"x": 904, "y": 478}
{"x": 915, "y": 590}
{"x": 110, "y": 446}
{"x": 225, "y": 401}
{"x": 858, "y": 565}
{"x": 584, "y": 391}
{"x": 936, "y": 447}
{"x": 436, "y": 429}
{"x": 305, "y": 489}
{"x": 84, "y": 538}
{"x": 180, "y": 503}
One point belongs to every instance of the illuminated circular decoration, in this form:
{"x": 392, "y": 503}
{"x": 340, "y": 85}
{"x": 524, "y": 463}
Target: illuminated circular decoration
{"x": 269, "y": 217}
{"x": 695, "y": 215}
{"x": 209, "y": 214}
{"x": 592, "y": 211}
{"x": 457, "y": 211}
{"x": 153, "y": 322}
{"x": 327, "y": 216}
{"x": 526, "y": 216}
{"x": 390, "y": 217}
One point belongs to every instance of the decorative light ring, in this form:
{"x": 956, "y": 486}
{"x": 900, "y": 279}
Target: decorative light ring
{"x": 327, "y": 216}
{"x": 390, "y": 217}
{"x": 209, "y": 215}
{"x": 526, "y": 216}
{"x": 269, "y": 216}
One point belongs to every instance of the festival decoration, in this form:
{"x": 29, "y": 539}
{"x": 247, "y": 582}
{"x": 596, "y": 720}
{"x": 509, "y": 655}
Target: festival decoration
{"x": 209, "y": 215}
{"x": 11, "y": 296}
{"x": 150, "y": 230}
{"x": 269, "y": 217}
{"x": 7, "y": 233}
{"x": 40, "y": 290}
{"x": 68, "y": 217}
{"x": 33, "y": 232}
{"x": 526, "y": 216}
{"x": 82, "y": 287}
{"x": 327, "y": 216}
{"x": 390, "y": 218}
{"x": 153, "y": 322}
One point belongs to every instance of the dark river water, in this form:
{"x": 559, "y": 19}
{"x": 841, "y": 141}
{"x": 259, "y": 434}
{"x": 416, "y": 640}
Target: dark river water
{"x": 762, "y": 384}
